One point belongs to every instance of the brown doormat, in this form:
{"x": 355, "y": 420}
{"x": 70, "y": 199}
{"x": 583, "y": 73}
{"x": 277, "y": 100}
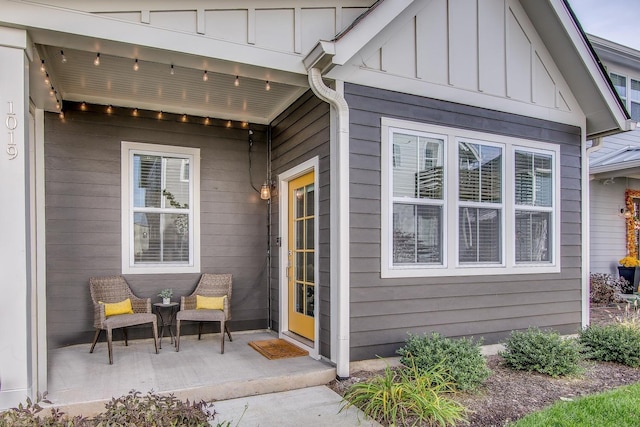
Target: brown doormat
{"x": 277, "y": 349}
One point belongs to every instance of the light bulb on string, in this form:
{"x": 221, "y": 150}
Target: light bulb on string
{"x": 205, "y": 76}
{"x": 267, "y": 86}
{"x": 96, "y": 61}
{"x": 236, "y": 83}
{"x": 136, "y": 67}
{"x": 62, "y": 57}
{"x": 42, "y": 68}
{"x": 172, "y": 72}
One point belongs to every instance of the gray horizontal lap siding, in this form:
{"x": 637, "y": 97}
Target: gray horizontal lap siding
{"x": 301, "y": 133}
{"x": 383, "y": 311}
{"x": 82, "y": 174}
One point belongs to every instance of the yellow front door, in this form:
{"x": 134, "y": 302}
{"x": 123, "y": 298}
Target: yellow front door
{"x": 301, "y": 271}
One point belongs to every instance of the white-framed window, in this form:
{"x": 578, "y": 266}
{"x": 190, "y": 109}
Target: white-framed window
{"x": 160, "y": 209}
{"x": 460, "y": 202}
{"x": 629, "y": 91}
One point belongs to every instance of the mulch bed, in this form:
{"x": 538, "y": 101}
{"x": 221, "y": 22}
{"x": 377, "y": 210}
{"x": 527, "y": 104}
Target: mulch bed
{"x": 509, "y": 395}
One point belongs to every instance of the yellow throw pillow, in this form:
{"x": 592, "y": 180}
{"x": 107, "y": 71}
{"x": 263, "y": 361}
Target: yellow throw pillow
{"x": 210, "y": 303}
{"x": 122, "y": 307}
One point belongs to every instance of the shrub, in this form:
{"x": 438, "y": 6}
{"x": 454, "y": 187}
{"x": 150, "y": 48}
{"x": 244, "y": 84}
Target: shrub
{"x": 407, "y": 396}
{"x": 29, "y": 414}
{"x": 460, "y": 358}
{"x": 605, "y": 289}
{"x": 542, "y": 351}
{"x": 616, "y": 342}
{"x": 133, "y": 409}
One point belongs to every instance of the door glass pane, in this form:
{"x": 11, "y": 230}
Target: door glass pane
{"x": 310, "y": 200}
{"x": 299, "y": 298}
{"x": 310, "y": 270}
{"x": 310, "y": 235}
{"x": 299, "y": 203}
{"x": 310, "y": 300}
{"x": 299, "y": 234}
{"x": 479, "y": 235}
{"x": 299, "y": 266}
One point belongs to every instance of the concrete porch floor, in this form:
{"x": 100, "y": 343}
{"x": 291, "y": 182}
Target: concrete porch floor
{"x": 81, "y": 383}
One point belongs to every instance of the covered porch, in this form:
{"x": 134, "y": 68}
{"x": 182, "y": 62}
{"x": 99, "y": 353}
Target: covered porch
{"x": 81, "y": 383}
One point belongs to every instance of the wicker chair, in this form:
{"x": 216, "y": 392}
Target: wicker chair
{"x": 210, "y": 285}
{"x": 112, "y": 289}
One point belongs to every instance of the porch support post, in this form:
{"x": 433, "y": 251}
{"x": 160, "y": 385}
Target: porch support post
{"x": 340, "y": 258}
{"x": 15, "y": 351}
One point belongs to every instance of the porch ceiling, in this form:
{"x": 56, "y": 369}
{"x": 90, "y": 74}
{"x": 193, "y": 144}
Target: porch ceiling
{"x": 153, "y": 87}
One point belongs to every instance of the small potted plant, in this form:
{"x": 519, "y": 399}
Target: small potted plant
{"x": 166, "y": 295}
{"x": 627, "y": 270}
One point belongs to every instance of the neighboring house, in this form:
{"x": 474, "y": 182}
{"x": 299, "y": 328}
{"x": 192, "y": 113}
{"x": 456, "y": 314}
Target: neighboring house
{"x": 614, "y": 168}
{"x": 426, "y": 162}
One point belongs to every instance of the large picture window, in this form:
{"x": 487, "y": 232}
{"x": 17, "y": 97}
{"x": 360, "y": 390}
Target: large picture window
{"x": 160, "y": 208}
{"x": 459, "y": 202}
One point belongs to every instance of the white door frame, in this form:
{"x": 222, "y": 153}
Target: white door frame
{"x": 284, "y": 178}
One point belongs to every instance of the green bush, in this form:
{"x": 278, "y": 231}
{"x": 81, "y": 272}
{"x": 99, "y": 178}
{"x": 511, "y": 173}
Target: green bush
{"x": 407, "y": 396}
{"x": 460, "y": 358}
{"x": 542, "y": 351}
{"x": 612, "y": 343}
{"x": 133, "y": 409}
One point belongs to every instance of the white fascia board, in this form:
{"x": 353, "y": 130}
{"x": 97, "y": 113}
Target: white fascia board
{"x": 625, "y": 166}
{"x": 573, "y": 32}
{"x": 51, "y": 18}
{"x": 371, "y": 25}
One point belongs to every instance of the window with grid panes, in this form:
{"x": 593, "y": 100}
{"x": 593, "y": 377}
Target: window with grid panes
{"x": 459, "y": 202}
{"x": 159, "y": 208}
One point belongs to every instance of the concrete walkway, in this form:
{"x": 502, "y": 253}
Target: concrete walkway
{"x": 317, "y": 406}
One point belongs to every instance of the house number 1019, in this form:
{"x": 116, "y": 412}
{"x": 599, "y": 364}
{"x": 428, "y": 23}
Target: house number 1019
{"x": 12, "y": 123}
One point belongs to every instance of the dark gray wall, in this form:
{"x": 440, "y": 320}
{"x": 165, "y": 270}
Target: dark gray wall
{"x": 384, "y": 311}
{"x": 299, "y": 134}
{"x": 82, "y": 179}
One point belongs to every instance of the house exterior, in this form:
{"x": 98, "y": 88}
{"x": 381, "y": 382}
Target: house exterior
{"x": 613, "y": 168}
{"x": 425, "y": 161}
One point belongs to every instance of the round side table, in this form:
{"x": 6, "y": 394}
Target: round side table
{"x": 167, "y": 316}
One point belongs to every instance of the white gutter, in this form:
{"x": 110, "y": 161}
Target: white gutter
{"x": 339, "y": 253}
{"x": 586, "y": 224}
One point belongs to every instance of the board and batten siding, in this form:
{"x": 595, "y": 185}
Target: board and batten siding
{"x": 301, "y": 133}
{"x": 383, "y": 311}
{"x": 82, "y": 191}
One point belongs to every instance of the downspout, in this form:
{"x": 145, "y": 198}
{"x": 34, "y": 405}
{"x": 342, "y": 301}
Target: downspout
{"x": 339, "y": 216}
{"x": 586, "y": 250}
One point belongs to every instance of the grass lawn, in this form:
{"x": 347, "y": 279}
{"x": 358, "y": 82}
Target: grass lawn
{"x": 615, "y": 408}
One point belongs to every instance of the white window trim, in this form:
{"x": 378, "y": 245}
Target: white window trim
{"x": 628, "y": 77}
{"x": 451, "y": 268}
{"x": 127, "y": 149}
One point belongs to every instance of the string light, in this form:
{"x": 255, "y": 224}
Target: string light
{"x": 52, "y": 91}
{"x": 46, "y": 79}
{"x": 206, "y": 121}
{"x": 184, "y": 117}
{"x": 205, "y": 76}
{"x": 267, "y": 86}
{"x": 236, "y": 83}
{"x": 42, "y": 68}
{"x": 135, "y": 112}
{"x": 136, "y": 67}
{"x": 109, "y": 109}
{"x": 57, "y": 104}
{"x": 172, "y": 72}
{"x": 96, "y": 61}
{"x": 83, "y": 106}
{"x": 229, "y": 124}
{"x": 160, "y": 114}
{"x": 61, "y": 114}
{"x": 63, "y": 58}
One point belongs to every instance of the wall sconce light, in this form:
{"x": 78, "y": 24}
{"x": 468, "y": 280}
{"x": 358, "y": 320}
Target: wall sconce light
{"x": 267, "y": 190}
{"x": 625, "y": 213}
